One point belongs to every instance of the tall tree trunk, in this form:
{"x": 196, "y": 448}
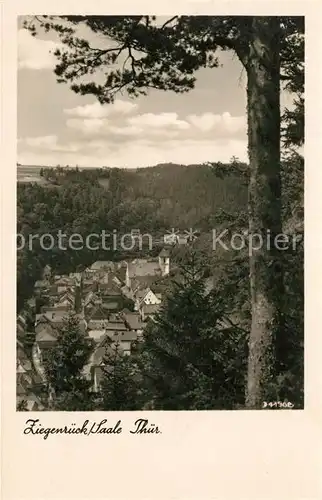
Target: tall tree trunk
{"x": 263, "y": 103}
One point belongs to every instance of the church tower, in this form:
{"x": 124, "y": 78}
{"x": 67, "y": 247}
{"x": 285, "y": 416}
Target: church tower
{"x": 164, "y": 262}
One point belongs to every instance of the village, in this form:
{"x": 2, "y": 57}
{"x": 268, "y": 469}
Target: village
{"x": 113, "y": 301}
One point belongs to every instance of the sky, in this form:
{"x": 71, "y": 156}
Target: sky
{"x": 56, "y": 126}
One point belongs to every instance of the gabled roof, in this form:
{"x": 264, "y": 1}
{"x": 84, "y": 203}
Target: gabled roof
{"x": 116, "y": 325}
{"x": 68, "y": 293}
{"x": 45, "y": 337}
{"x": 133, "y": 320}
{"x": 98, "y": 312}
{"x": 44, "y": 327}
{"x": 143, "y": 282}
{"x": 24, "y": 363}
{"x": 19, "y": 368}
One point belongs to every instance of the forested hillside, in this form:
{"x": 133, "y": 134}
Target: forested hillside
{"x": 88, "y": 201}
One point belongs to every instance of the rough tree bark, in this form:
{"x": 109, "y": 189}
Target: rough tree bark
{"x": 262, "y": 63}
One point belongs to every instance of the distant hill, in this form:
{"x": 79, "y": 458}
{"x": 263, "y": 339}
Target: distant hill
{"x": 175, "y": 195}
{"x": 187, "y": 195}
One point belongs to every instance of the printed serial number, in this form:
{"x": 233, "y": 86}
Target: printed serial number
{"x": 277, "y": 404}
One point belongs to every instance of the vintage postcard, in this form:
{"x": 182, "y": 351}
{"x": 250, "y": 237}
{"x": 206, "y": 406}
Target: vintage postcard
{"x": 160, "y": 330}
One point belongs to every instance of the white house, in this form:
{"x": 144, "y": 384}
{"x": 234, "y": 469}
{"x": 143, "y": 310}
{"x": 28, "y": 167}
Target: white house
{"x": 145, "y": 296}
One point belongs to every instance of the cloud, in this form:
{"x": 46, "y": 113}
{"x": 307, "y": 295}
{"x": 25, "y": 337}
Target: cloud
{"x": 87, "y": 126}
{"x": 97, "y": 110}
{"x": 35, "y": 53}
{"x": 223, "y": 123}
{"x": 149, "y": 124}
{"x": 204, "y": 122}
{"x": 158, "y": 121}
{"x": 138, "y": 141}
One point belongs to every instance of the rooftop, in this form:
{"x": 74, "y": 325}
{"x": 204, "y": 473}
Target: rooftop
{"x": 143, "y": 281}
{"x": 133, "y": 320}
{"x": 96, "y": 335}
{"x": 116, "y": 325}
{"x": 144, "y": 267}
{"x": 56, "y": 316}
{"x": 102, "y": 264}
{"x": 110, "y": 306}
{"x": 44, "y": 336}
{"x": 127, "y": 336}
{"x": 97, "y": 312}
{"x": 97, "y": 324}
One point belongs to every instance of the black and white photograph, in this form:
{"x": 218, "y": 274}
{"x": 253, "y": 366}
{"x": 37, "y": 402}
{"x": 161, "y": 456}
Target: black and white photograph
{"x": 160, "y": 213}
